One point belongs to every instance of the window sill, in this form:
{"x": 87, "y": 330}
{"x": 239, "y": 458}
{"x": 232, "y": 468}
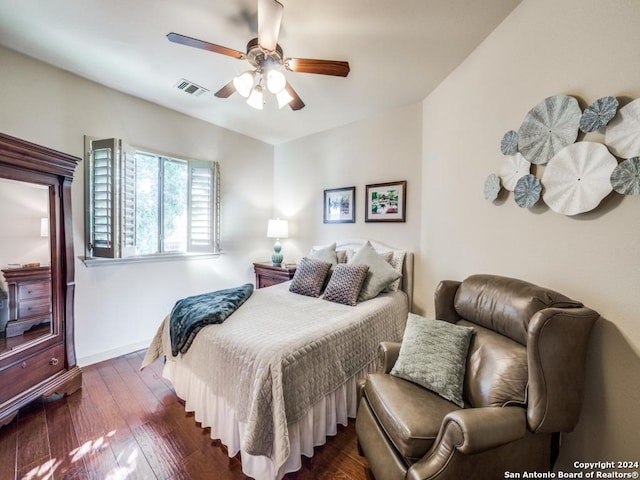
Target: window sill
{"x": 162, "y": 257}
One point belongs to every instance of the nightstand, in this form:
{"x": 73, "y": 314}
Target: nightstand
{"x": 29, "y": 298}
{"x": 267, "y": 274}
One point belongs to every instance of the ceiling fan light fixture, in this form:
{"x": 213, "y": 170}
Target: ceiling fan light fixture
{"x": 243, "y": 84}
{"x": 284, "y": 98}
{"x": 276, "y": 81}
{"x": 268, "y": 62}
{"x": 256, "y": 98}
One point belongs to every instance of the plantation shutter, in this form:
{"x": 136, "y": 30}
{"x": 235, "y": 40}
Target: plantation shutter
{"x": 128, "y": 201}
{"x": 102, "y": 211}
{"x": 111, "y": 193}
{"x": 203, "y": 235}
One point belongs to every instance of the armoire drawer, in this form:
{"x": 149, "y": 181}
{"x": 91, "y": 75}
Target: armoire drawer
{"x": 30, "y": 371}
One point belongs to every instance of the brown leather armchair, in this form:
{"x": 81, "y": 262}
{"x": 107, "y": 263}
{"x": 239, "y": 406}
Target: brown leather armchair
{"x": 523, "y": 385}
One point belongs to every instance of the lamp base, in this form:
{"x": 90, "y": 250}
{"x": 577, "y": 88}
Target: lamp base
{"x": 277, "y": 257}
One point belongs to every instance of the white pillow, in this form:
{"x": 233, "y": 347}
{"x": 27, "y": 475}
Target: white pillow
{"x": 326, "y": 254}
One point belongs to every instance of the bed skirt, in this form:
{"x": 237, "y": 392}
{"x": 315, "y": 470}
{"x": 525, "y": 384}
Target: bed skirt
{"x": 215, "y": 412}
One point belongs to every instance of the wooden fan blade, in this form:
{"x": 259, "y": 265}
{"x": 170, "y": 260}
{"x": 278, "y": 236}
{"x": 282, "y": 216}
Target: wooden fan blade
{"x": 226, "y": 91}
{"x": 296, "y": 103}
{"x": 269, "y": 20}
{"x": 322, "y": 67}
{"x": 211, "y": 47}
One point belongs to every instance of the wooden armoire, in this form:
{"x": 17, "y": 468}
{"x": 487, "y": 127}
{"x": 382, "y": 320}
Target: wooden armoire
{"x": 38, "y": 359}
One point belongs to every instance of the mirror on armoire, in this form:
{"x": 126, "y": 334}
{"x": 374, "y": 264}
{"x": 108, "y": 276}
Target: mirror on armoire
{"x": 25, "y": 264}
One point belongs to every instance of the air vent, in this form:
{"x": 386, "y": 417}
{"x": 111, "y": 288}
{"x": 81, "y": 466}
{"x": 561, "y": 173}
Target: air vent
{"x": 190, "y": 88}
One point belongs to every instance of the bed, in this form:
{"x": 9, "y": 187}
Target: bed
{"x": 279, "y": 375}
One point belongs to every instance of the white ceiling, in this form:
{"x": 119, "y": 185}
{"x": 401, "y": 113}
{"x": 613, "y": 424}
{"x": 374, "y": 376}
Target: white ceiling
{"x": 398, "y": 52}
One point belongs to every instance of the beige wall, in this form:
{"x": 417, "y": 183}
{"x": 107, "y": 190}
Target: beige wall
{"x": 585, "y": 48}
{"x": 383, "y": 148}
{"x": 118, "y": 308}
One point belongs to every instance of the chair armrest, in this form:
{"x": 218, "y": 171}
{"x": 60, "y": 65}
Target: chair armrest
{"x": 470, "y": 431}
{"x": 485, "y": 428}
{"x": 387, "y": 355}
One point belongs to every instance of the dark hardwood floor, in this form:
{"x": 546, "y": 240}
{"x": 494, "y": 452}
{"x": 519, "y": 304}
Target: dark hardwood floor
{"x": 128, "y": 424}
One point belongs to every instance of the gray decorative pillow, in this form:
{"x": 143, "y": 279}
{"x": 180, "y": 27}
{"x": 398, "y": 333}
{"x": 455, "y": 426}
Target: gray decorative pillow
{"x": 345, "y": 283}
{"x": 309, "y": 277}
{"x": 380, "y": 274}
{"x": 397, "y": 262}
{"x": 326, "y": 254}
{"x": 434, "y": 354}
{"x": 350, "y": 253}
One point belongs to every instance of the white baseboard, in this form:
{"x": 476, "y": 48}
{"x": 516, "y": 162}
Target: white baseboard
{"x": 116, "y": 352}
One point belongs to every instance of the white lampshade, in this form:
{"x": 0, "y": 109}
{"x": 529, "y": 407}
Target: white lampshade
{"x": 44, "y": 227}
{"x": 256, "y": 99}
{"x": 243, "y": 83}
{"x": 278, "y": 229}
{"x": 276, "y": 81}
{"x": 284, "y": 98}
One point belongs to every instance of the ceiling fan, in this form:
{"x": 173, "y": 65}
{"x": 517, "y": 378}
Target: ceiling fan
{"x": 267, "y": 61}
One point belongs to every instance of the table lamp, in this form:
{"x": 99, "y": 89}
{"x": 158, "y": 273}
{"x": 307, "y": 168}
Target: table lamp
{"x": 277, "y": 229}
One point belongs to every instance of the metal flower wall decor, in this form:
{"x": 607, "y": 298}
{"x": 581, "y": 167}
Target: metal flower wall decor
{"x": 598, "y": 114}
{"x": 578, "y": 178}
{"x": 625, "y": 178}
{"x": 548, "y": 127}
{"x": 527, "y": 191}
{"x": 573, "y": 177}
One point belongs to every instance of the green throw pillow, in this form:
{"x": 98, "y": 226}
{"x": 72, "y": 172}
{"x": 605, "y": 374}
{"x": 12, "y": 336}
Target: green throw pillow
{"x": 380, "y": 273}
{"x": 434, "y": 354}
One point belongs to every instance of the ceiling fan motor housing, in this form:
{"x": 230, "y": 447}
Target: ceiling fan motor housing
{"x": 261, "y": 58}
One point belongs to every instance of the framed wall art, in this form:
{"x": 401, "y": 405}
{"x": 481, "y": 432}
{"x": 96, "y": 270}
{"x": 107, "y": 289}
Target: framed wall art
{"x": 385, "y": 202}
{"x": 340, "y": 205}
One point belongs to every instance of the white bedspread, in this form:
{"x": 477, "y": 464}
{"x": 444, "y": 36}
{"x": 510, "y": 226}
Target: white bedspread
{"x": 280, "y": 354}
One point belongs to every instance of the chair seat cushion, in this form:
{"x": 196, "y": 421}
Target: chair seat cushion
{"x": 410, "y": 414}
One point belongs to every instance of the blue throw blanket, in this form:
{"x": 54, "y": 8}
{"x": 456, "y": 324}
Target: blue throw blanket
{"x": 191, "y": 314}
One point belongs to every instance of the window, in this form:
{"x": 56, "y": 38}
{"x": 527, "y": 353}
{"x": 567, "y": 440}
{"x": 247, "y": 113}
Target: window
{"x": 142, "y": 204}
